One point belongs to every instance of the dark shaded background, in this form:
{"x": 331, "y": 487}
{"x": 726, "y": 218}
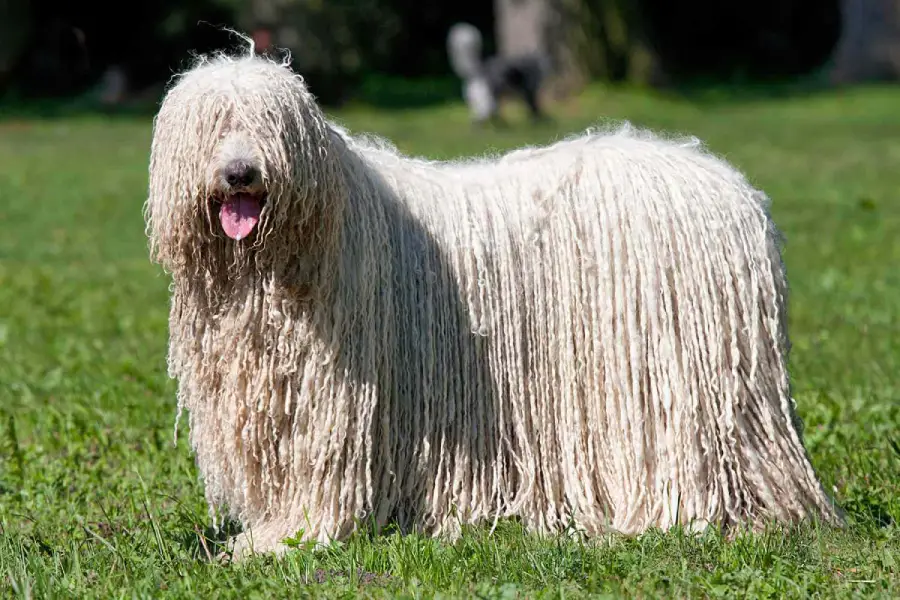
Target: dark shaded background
{"x": 54, "y": 48}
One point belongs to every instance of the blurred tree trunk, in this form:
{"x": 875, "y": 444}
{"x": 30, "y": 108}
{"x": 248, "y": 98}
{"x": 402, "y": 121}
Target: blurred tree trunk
{"x": 15, "y": 30}
{"x": 869, "y": 46}
{"x": 527, "y": 27}
{"x": 521, "y": 26}
{"x": 584, "y": 39}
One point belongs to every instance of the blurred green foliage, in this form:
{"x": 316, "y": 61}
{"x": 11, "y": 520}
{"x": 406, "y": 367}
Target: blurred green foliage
{"x": 63, "y": 48}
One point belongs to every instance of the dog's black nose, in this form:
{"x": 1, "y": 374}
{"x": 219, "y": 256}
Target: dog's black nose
{"x": 239, "y": 174}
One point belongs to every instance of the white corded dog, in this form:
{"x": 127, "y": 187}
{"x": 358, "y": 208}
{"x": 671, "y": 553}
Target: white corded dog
{"x": 589, "y": 333}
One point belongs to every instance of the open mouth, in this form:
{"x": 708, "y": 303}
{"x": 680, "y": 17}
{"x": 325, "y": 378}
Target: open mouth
{"x": 239, "y": 214}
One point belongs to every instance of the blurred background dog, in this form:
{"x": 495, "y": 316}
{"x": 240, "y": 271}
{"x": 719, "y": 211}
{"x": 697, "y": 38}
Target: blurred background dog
{"x": 487, "y": 82}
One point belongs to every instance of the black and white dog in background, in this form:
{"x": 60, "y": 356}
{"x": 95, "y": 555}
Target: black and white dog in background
{"x": 485, "y": 82}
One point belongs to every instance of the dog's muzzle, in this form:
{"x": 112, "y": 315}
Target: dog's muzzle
{"x": 242, "y": 201}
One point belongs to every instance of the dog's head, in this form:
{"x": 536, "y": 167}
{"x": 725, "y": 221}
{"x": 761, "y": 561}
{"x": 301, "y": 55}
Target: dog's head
{"x": 241, "y": 155}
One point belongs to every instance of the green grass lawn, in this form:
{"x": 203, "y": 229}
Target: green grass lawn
{"x": 96, "y": 501}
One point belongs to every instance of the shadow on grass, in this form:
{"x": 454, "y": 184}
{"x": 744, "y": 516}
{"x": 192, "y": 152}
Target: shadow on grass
{"x": 717, "y": 92}
{"x": 388, "y": 93}
{"x": 376, "y": 91}
{"x": 52, "y": 109}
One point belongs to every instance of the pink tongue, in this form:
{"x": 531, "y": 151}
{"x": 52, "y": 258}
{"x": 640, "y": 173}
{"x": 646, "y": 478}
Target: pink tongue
{"x": 239, "y": 215}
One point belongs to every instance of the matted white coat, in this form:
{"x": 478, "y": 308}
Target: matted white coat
{"x": 590, "y": 333}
